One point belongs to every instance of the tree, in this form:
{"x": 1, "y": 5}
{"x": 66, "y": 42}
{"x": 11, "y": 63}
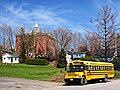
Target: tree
{"x": 30, "y": 44}
{"x": 22, "y": 45}
{"x": 63, "y": 38}
{"x": 92, "y": 43}
{"x": 7, "y": 37}
{"x": 106, "y": 25}
{"x": 62, "y": 59}
{"x": 77, "y": 41}
{"x": 116, "y": 60}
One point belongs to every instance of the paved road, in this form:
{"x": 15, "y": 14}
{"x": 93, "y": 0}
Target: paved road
{"x": 23, "y": 84}
{"x": 111, "y": 85}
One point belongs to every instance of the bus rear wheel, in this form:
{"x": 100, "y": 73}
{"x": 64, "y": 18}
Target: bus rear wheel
{"x": 83, "y": 81}
{"x": 105, "y": 79}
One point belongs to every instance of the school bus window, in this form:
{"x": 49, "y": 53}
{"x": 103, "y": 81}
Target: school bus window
{"x": 96, "y": 67}
{"x": 93, "y": 67}
{"x": 106, "y": 67}
{"x": 110, "y": 68}
{"x": 87, "y": 67}
{"x": 102, "y": 67}
{"x": 99, "y": 68}
{"x": 90, "y": 67}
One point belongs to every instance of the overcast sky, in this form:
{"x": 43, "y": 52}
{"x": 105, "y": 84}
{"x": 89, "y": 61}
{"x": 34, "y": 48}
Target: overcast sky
{"x": 50, "y": 14}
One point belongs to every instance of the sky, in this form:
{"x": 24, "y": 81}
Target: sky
{"x": 51, "y": 14}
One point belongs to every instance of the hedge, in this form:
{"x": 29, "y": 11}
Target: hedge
{"x": 37, "y": 62}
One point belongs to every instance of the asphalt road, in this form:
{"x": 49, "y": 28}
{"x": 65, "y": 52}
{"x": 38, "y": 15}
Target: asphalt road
{"x": 111, "y": 85}
{"x": 23, "y": 84}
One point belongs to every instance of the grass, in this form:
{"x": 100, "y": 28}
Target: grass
{"x": 34, "y": 72}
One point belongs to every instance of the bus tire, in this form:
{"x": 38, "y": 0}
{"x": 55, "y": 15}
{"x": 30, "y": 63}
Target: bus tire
{"x": 83, "y": 81}
{"x": 67, "y": 83}
{"x": 105, "y": 79}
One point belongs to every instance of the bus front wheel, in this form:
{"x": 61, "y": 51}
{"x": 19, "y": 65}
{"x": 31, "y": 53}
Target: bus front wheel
{"x": 83, "y": 81}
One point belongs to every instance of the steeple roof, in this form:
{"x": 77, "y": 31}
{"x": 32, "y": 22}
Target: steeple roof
{"x": 36, "y": 24}
{"x": 36, "y": 28}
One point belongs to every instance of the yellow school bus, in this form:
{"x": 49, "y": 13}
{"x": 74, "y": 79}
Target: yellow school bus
{"x": 82, "y": 71}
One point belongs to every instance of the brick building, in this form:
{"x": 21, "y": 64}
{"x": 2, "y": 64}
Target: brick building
{"x": 44, "y": 44}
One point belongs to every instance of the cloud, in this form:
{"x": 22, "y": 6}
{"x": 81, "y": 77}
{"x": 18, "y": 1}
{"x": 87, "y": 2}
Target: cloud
{"x": 18, "y": 15}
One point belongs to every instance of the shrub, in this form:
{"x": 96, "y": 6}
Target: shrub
{"x": 0, "y": 60}
{"x": 37, "y": 62}
{"x": 116, "y": 62}
{"x": 40, "y": 57}
{"x": 62, "y": 59}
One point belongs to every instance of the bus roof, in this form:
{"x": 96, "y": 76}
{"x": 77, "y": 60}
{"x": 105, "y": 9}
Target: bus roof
{"x": 92, "y": 62}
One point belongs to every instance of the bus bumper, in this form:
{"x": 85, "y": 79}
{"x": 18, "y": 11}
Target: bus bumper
{"x": 72, "y": 80}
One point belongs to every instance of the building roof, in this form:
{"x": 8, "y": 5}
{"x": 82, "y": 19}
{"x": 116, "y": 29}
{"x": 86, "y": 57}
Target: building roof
{"x": 36, "y": 24}
{"x": 11, "y": 55}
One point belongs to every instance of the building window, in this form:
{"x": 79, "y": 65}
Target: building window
{"x": 9, "y": 58}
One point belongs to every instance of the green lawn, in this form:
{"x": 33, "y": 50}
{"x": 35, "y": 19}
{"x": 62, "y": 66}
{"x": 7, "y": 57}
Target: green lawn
{"x": 34, "y": 72}
{"x": 29, "y": 71}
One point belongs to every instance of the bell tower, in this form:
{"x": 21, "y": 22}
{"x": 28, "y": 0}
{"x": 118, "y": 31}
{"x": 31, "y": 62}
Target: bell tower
{"x": 36, "y": 28}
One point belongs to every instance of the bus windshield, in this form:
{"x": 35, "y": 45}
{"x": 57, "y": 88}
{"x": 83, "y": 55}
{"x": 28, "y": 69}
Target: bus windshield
{"x": 75, "y": 68}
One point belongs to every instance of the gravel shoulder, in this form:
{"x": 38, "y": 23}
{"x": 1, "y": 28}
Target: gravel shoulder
{"x": 24, "y": 84}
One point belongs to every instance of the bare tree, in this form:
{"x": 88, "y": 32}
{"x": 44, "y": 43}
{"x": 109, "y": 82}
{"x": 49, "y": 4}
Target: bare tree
{"x": 92, "y": 42}
{"x": 63, "y": 38}
{"x": 106, "y": 25}
{"x": 7, "y": 37}
{"x": 77, "y": 41}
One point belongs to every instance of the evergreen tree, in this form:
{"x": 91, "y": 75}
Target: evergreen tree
{"x": 62, "y": 59}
